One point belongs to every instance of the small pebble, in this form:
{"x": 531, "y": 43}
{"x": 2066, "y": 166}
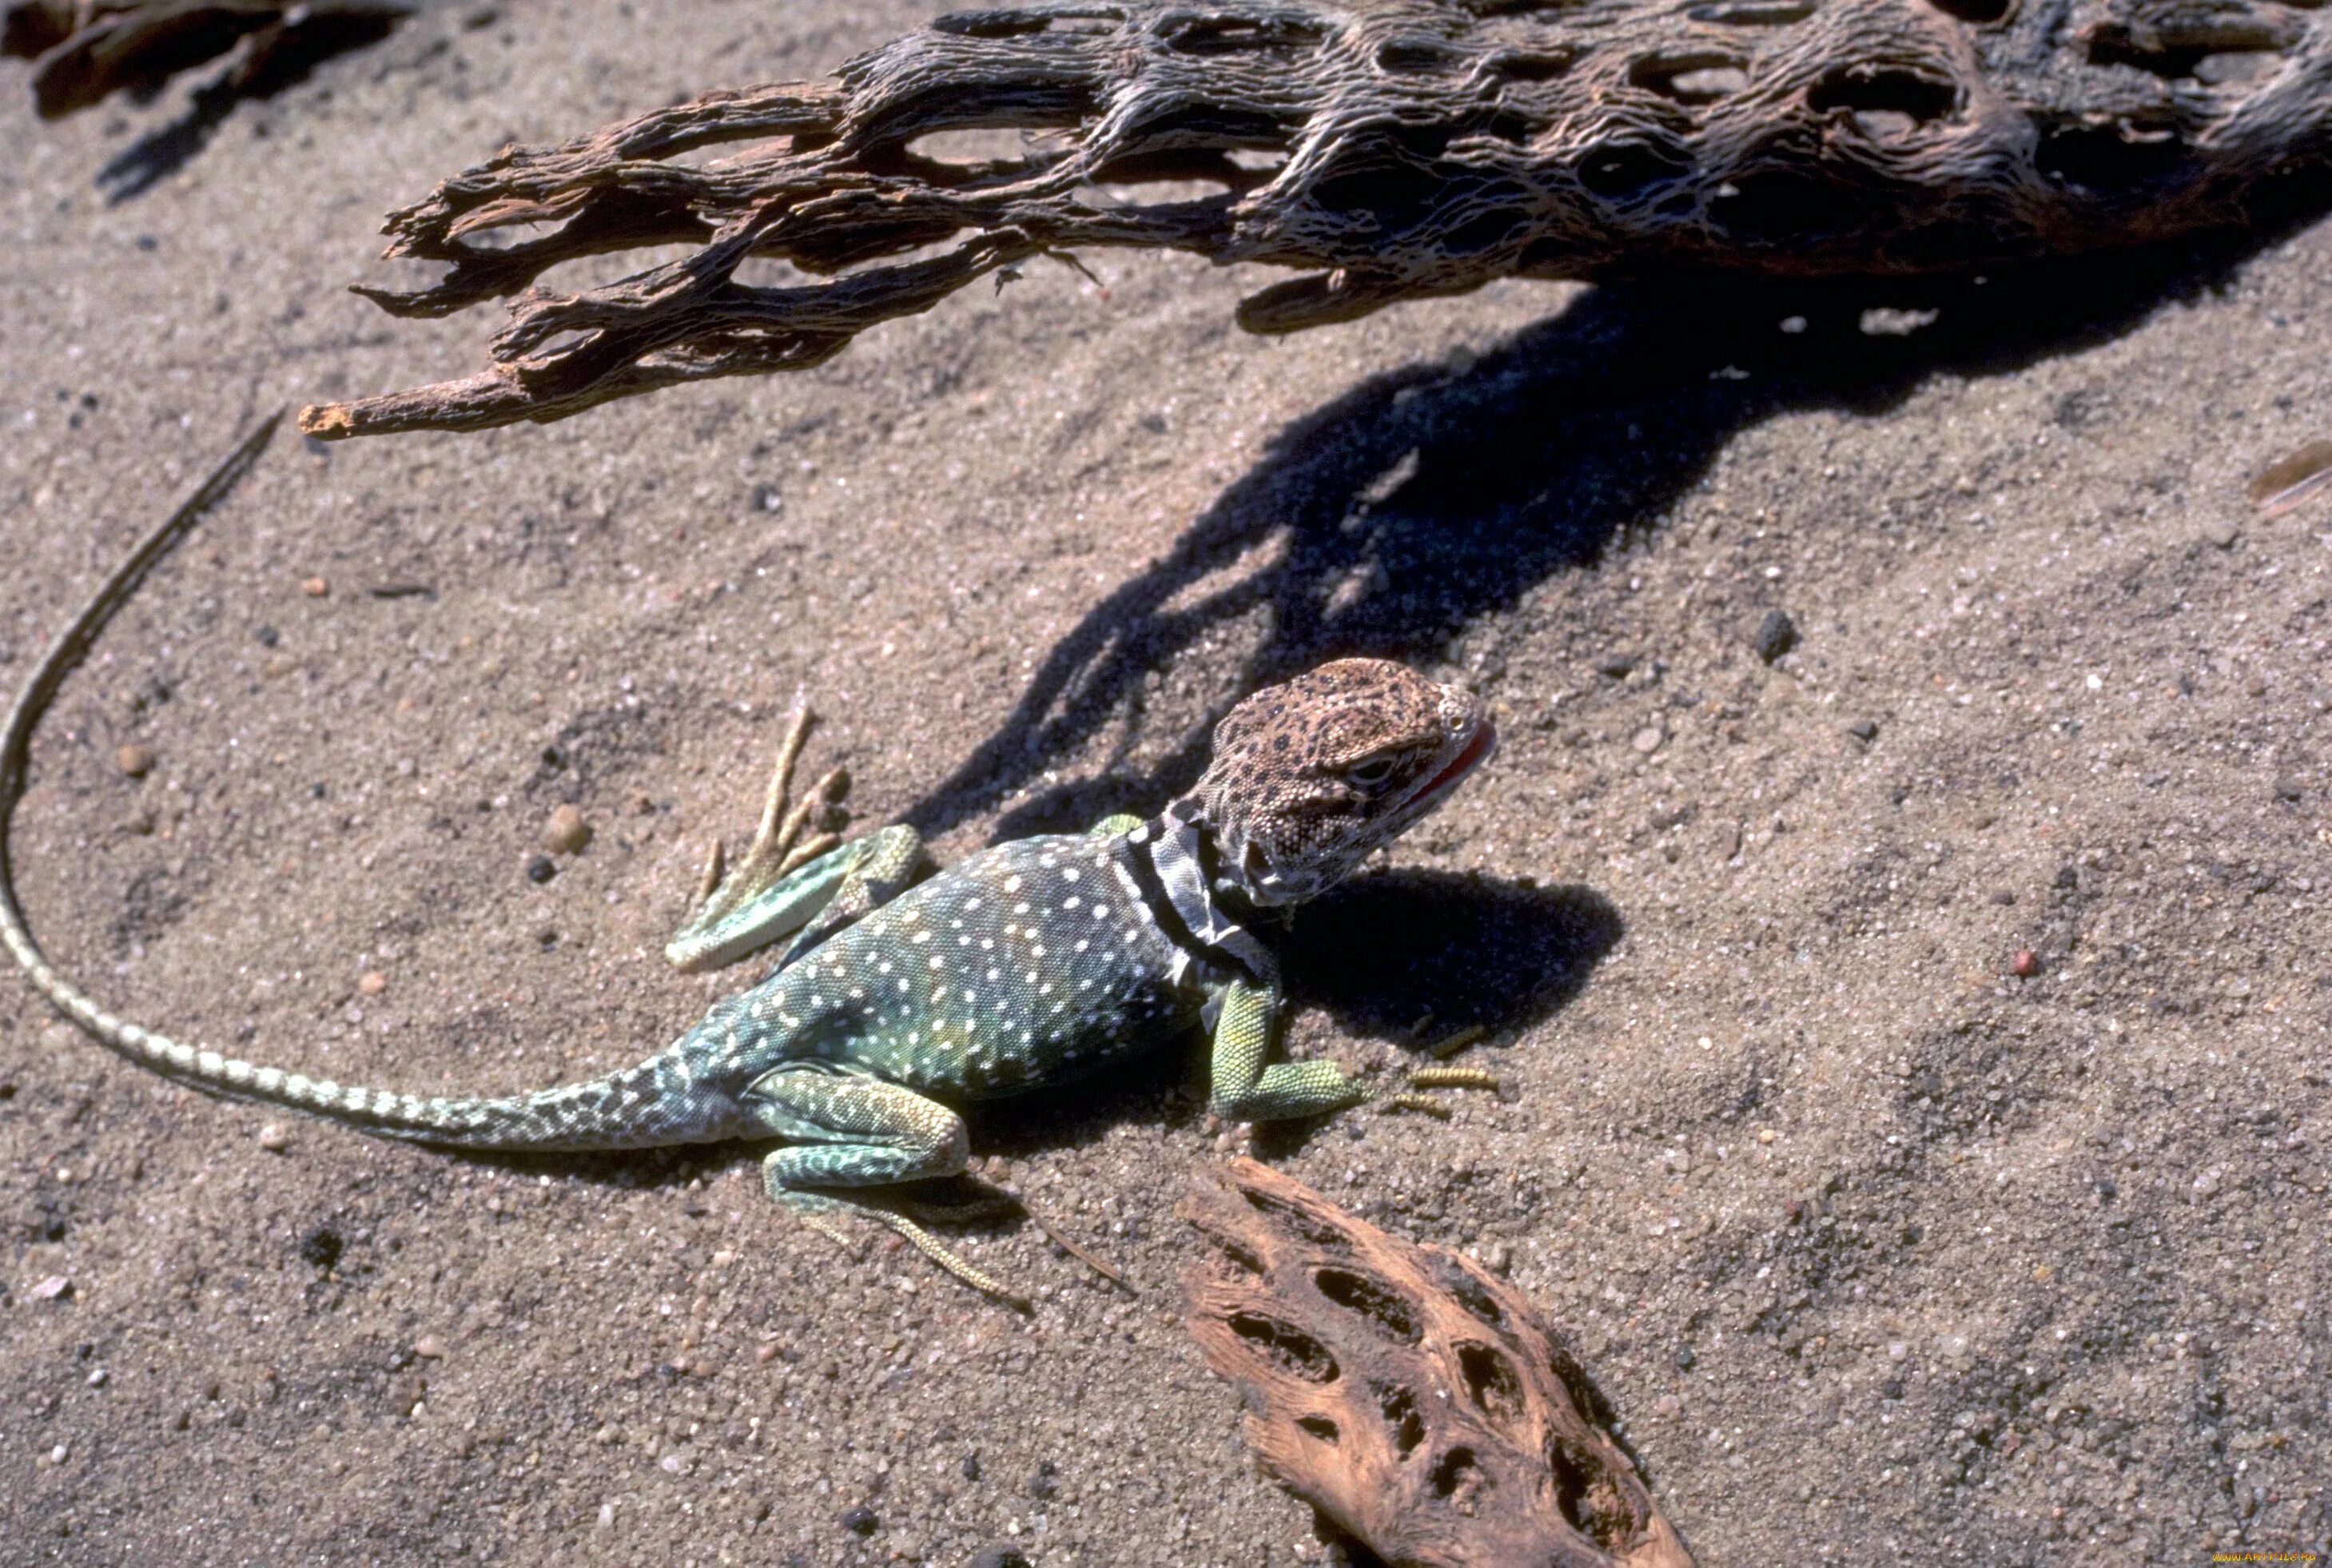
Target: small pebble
{"x": 1615, "y": 665}
{"x": 2025, "y": 964}
{"x": 1647, "y": 740}
{"x": 539, "y": 868}
{"x": 135, "y": 760}
{"x": 1685, "y": 1358}
{"x": 372, "y": 982}
{"x": 429, "y": 1347}
{"x": 96, "y": 1379}
{"x": 999, "y": 1556}
{"x": 2220, "y": 532}
{"x": 1668, "y": 1405}
{"x": 2289, "y": 789}
{"x": 860, "y": 1521}
{"x": 315, "y": 587}
{"x": 1776, "y": 635}
{"x": 1863, "y": 730}
{"x": 566, "y": 833}
{"x": 1766, "y": 1134}
{"x": 53, "y": 1288}
{"x": 274, "y": 1138}
{"x": 57, "y": 1454}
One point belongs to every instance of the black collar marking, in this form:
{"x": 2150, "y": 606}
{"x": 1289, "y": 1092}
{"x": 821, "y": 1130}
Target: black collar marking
{"x": 1167, "y": 859}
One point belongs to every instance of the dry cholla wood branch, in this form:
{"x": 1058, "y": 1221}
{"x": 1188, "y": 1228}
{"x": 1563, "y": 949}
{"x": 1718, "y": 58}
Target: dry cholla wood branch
{"x": 85, "y": 50}
{"x": 1407, "y": 1395}
{"x": 1390, "y": 148}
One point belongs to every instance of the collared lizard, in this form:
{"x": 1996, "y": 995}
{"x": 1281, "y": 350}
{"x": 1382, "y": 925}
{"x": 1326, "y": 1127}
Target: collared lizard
{"x": 1028, "y": 963}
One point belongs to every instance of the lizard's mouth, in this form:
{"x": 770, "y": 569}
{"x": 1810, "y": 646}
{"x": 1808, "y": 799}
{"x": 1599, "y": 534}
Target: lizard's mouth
{"x": 1477, "y": 751}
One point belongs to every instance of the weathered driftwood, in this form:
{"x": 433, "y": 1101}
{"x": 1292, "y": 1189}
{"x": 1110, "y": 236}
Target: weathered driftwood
{"x": 86, "y": 50}
{"x": 1409, "y": 1396}
{"x": 1388, "y": 148}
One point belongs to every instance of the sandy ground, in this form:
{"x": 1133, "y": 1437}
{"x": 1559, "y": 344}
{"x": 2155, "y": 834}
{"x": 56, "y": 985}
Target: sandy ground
{"x": 1881, "y": 1253}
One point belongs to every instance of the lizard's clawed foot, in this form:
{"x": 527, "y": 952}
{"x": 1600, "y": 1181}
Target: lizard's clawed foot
{"x": 821, "y": 1212}
{"x": 785, "y": 839}
{"x": 1434, "y": 1105}
{"x": 992, "y": 1204}
{"x": 744, "y": 907}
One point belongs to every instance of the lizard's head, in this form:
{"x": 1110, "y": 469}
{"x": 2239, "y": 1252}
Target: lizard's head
{"x": 1311, "y": 775}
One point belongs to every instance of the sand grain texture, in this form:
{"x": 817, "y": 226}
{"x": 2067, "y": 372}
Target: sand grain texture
{"x": 1880, "y": 1254}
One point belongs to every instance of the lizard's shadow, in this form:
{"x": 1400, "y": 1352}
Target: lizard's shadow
{"x": 1383, "y": 951}
{"x": 1424, "y": 499}
{"x": 1376, "y": 955}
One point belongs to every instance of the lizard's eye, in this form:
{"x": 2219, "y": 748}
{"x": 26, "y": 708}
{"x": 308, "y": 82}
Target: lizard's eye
{"x": 1370, "y": 774}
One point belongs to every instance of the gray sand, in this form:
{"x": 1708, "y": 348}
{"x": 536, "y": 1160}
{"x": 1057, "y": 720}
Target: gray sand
{"x": 1880, "y": 1253}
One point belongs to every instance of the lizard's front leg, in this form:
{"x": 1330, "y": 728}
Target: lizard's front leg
{"x": 846, "y": 1130}
{"x": 1248, "y": 1086}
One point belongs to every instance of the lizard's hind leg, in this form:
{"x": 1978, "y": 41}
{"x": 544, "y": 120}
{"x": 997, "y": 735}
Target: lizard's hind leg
{"x": 797, "y": 875}
{"x": 857, "y": 1131}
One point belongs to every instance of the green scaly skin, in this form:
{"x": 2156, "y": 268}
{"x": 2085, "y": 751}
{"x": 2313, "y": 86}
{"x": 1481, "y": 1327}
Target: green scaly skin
{"x": 902, "y": 996}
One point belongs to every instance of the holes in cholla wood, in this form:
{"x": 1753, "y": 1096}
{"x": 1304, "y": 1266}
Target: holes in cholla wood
{"x": 1209, "y": 36}
{"x": 1981, "y": 13}
{"x": 1888, "y": 92}
{"x": 1529, "y": 65}
{"x": 1380, "y": 1307}
{"x": 1101, "y": 19}
{"x": 1458, "y": 1476}
{"x": 1286, "y": 1347}
{"x": 1494, "y": 1386}
{"x": 2108, "y": 159}
{"x": 1320, "y": 1426}
{"x": 1398, "y": 1405}
{"x": 1621, "y": 171}
{"x": 1588, "y": 1502}
{"x": 1029, "y": 101}
{"x": 2233, "y": 47}
{"x": 1693, "y": 76}
{"x": 1486, "y": 9}
{"x": 1753, "y": 13}
{"x": 1420, "y": 57}
{"x": 973, "y": 156}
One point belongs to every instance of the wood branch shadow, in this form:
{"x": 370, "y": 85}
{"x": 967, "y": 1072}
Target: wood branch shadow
{"x": 279, "y": 58}
{"x": 1429, "y": 497}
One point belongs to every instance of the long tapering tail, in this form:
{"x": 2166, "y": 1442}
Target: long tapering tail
{"x": 647, "y": 1105}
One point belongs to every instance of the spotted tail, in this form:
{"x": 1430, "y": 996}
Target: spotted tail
{"x": 657, "y": 1103}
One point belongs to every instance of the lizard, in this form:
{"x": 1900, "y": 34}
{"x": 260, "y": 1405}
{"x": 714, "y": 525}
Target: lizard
{"x": 904, "y": 995}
